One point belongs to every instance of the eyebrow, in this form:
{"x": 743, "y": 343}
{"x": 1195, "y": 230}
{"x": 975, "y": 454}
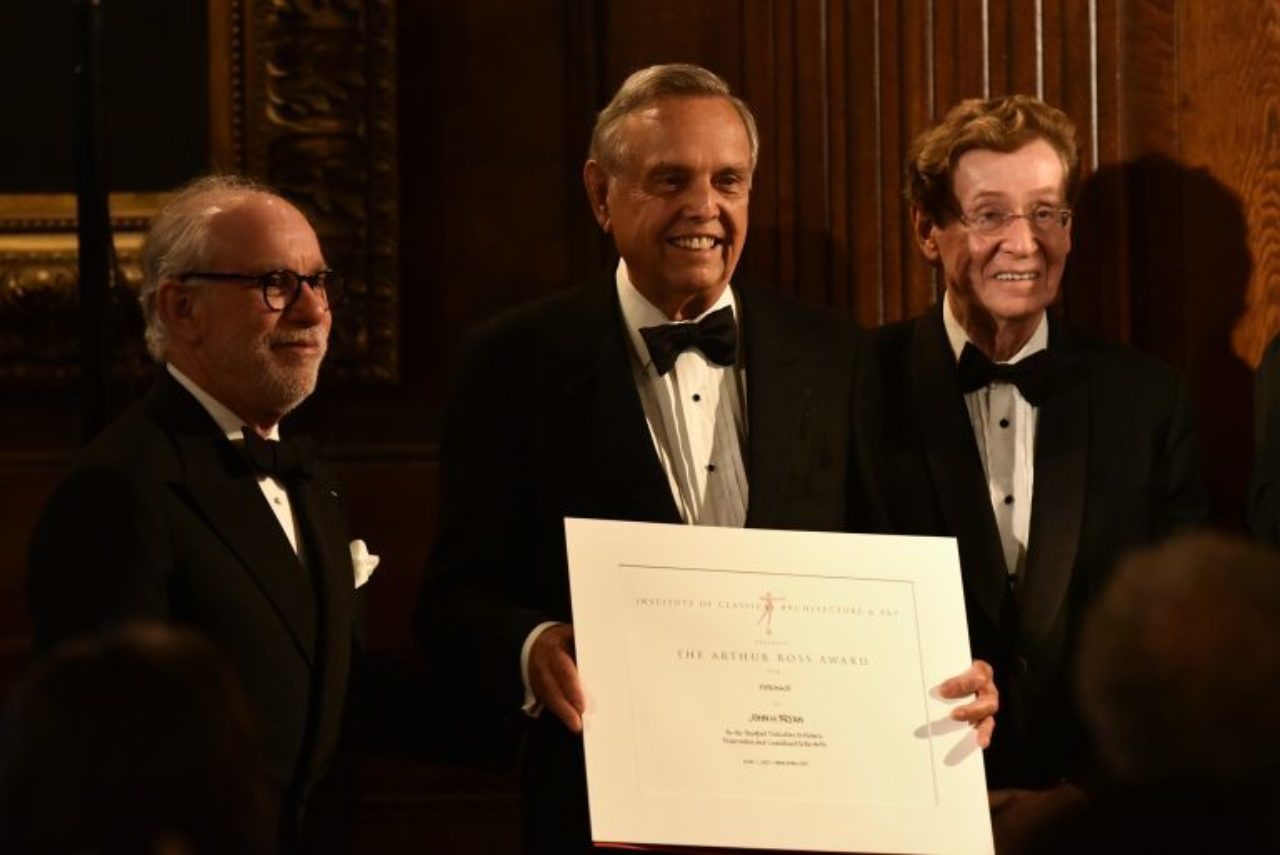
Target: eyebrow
{"x": 673, "y": 166}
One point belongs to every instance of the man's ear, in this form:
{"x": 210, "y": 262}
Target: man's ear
{"x": 925, "y": 230}
{"x": 179, "y": 309}
{"x": 597, "y": 182}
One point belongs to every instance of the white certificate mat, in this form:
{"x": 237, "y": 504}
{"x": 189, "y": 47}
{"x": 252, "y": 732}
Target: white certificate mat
{"x": 774, "y": 690}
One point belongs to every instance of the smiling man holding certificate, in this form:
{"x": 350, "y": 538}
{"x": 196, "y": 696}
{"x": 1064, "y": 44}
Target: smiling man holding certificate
{"x": 660, "y": 393}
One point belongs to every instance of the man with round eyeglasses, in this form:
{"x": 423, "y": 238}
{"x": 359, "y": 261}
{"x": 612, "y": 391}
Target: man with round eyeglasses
{"x": 1046, "y": 453}
{"x": 191, "y": 509}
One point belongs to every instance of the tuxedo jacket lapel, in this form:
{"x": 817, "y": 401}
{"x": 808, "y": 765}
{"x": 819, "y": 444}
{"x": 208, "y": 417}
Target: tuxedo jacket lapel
{"x": 600, "y": 386}
{"x": 218, "y": 483}
{"x": 328, "y": 557}
{"x": 778, "y": 402}
{"x": 954, "y": 464}
{"x": 1061, "y": 467}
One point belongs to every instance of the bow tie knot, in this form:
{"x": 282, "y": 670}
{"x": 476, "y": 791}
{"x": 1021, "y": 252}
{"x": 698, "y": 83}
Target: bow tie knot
{"x": 716, "y": 336}
{"x": 1030, "y": 375}
{"x": 288, "y": 460}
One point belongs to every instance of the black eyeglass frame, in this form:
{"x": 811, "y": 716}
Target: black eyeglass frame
{"x": 324, "y": 283}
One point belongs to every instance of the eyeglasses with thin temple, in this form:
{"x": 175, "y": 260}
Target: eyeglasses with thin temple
{"x": 281, "y": 288}
{"x": 1044, "y": 220}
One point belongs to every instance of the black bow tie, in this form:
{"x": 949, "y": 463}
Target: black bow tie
{"x": 1030, "y": 375}
{"x": 716, "y": 335}
{"x": 287, "y": 460}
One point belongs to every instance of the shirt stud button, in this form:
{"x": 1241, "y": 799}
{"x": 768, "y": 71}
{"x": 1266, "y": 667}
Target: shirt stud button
{"x": 696, "y": 397}
{"x": 1008, "y": 500}
{"x": 711, "y": 467}
{"x": 1004, "y": 423}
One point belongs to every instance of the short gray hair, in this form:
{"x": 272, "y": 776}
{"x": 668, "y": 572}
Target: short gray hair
{"x": 642, "y": 88}
{"x": 178, "y": 241}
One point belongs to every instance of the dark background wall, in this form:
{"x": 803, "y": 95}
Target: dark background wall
{"x": 1176, "y": 238}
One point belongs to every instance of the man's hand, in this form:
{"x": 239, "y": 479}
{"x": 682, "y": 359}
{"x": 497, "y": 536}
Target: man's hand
{"x": 978, "y": 679}
{"x": 553, "y": 676}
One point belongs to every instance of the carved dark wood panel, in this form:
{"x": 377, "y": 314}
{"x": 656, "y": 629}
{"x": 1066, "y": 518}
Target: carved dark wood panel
{"x": 302, "y": 95}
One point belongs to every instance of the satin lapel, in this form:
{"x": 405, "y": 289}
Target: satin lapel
{"x": 1057, "y": 509}
{"x": 320, "y": 517}
{"x": 954, "y": 464}
{"x": 602, "y": 387}
{"x": 218, "y": 484}
{"x": 778, "y": 403}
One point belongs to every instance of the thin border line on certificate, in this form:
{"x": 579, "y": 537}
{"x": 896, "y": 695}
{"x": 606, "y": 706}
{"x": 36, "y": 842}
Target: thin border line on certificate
{"x": 761, "y": 573}
{"x": 915, "y": 621}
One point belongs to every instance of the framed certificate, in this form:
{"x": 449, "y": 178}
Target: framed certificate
{"x": 773, "y": 690}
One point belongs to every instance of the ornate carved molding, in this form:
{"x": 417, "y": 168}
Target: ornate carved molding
{"x": 302, "y": 96}
{"x": 320, "y": 124}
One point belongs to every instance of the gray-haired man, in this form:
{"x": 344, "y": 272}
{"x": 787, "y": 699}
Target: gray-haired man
{"x": 187, "y": 510}
{"x": 660, "y": 394}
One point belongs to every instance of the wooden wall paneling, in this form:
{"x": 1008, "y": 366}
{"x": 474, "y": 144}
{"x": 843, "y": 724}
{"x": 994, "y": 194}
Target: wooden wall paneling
{"x": 1229, "y": 166}
{"x": 639, "y": 33}
{"x": 898, "y": 269}
{"x": 1053, "y": 33}
{"x": 778, "y": 160}
{"x": 866, "y": 184}
{"x": 1085, "y": 87}
{"x": 812, "y": 170}
{"x": 1247, "y": 138}
{"x": 1016, "y": 46}
{"x": 585, "y": 96}
{"x": 767, "y": 49}
{"x": 908, "y": 105}
{"x": 1108, "y": 63}
{"x": 840, "y": 292}
{"x": 960, "y": 43}
{"x": 999, "y": 23}
{"x": 1151, "y": 115}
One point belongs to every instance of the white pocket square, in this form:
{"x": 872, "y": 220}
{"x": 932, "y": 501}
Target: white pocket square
{"x": 362, "y": 562}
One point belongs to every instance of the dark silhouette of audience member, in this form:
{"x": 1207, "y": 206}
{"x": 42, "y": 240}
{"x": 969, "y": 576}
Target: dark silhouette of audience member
{"x": 134, "y": 743}
{"x": 1179, "y": 676}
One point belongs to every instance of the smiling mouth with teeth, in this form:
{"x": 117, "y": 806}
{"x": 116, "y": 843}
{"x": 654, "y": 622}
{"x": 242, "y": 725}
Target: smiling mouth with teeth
{"x": 1017, "y": 277}
{"x": 695, "y": 242}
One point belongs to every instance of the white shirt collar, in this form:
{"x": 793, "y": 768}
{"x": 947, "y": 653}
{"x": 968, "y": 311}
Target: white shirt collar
{"x": 638, "y": 312}
{"x": 230, "y": 424}
{"x": 959, "y": 338}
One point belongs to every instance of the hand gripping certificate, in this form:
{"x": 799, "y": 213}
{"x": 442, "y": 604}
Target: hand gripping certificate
{"x": 754, "y": 689}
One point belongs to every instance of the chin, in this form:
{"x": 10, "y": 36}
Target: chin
{"x": 1013, "y": 308}
{"x": 704, "y": 283}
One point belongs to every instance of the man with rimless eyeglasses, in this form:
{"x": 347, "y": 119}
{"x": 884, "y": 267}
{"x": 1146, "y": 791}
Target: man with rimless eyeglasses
{"x": 190, "y": 510}
{"x": 1046, "y": 453}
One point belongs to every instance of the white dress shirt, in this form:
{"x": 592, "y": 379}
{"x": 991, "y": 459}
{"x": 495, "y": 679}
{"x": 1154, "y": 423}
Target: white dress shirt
{"x": 696, "y": 414}
{"x": 1004, "y": 425}
{"x": 233, "y": 426}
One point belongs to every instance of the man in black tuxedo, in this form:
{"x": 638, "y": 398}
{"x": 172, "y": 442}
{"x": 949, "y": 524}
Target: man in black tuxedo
{"x": 1046, "y": 453}
{"x": 188, "y": 510}
{"x": 658, "y": 394}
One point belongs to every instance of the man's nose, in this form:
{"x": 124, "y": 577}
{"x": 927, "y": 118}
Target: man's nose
{"x": 310, "y": 307}
{"x": 701, "y": 199}
{"x": 1019, "y": 236}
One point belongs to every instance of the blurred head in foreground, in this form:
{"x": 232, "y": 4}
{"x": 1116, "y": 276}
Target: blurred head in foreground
{"x": 134, "y": 742}
{"x": 1180, "y": 667}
